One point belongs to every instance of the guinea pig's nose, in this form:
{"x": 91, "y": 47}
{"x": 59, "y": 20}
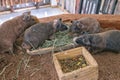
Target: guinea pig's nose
{"x": 65, "y": 27}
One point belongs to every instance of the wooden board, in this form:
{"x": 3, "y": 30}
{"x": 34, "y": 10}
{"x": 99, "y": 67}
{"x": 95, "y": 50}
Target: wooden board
{"x": 106, "y": 21}
{"x": 50, "y": 49}
{"x": 89, "y": 72}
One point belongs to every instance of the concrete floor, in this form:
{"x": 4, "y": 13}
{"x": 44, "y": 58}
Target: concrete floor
{"x": 40, "y": 13}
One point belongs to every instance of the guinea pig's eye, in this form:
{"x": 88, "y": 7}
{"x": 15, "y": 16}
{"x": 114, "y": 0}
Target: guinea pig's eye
{"x": 84, "y": 32}
{"x": 33, "y": 19}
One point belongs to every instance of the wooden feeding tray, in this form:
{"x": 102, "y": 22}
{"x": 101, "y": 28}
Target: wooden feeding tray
{"x": 90, "y": 72}
{"x": 51, "y": 49}
{"x": 62, "y": 42}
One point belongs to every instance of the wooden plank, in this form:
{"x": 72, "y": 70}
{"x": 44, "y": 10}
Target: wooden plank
{"x": 106, "y": 21}
{"x": 50, "y": 49}
{"x": 69, "y": 53}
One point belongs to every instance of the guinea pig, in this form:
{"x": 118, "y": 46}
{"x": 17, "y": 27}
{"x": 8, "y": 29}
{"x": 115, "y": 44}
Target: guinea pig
{"x": 104, "y": 41}
{"x": 11, "y": 29}
{"x": 36, "y": 35}
{"x": 85, "y": 25}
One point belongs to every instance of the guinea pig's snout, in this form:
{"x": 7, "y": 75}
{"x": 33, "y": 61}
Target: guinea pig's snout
{"x": 84, "y": 32}
{"x": 64, "y": 27}
{"x": 75, "y": 40}
{"x": 78, "y": 41}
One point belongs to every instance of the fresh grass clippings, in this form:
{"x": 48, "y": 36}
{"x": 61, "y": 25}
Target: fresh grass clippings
{"x": 72, "y": 64}
{"x": 61, "y": 38}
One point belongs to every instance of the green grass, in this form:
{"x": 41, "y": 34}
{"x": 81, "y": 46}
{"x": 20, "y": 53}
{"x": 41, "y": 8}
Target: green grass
{"x": 62, "y": 38}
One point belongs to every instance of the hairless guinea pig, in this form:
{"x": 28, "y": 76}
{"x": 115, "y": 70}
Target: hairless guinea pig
{"x": 13, "y": 28}
{"x": 84, "y": 25}
{"x": 36, "y": 35}
{"x": 109, "y": 40}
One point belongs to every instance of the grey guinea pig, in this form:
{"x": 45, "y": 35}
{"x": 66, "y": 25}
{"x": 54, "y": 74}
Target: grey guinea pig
{"x": 12, "y": 29}
{"x": 36, "y": 35}
{"x": 84, "y": 25}
{"x": 109, "y": 40}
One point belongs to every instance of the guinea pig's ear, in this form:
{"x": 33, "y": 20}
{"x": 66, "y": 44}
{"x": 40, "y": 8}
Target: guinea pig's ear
{"x": 71, "y": 21}
{"x": 26, "y": 16}
{"x": 60, "y": 19}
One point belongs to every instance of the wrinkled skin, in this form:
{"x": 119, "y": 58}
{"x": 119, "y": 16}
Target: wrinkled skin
{"x": 12, "y": 29}
{"x": 84, "y": 26}
{"x": 109, "y": 40}
{"x": 36, "y": 35}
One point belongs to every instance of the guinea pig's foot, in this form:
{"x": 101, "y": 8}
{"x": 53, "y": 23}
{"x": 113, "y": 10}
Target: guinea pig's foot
{"x": 96, "y": 51}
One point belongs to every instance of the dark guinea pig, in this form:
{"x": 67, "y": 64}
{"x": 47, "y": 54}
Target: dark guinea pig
{"x": 108, "y": 41}
{"x": 36, "y": 35}
{"x": 11, "y": 29}
{"x": 84, "y": 25}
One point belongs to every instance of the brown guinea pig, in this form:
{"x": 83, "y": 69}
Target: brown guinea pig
{"x": 11, "y": 29}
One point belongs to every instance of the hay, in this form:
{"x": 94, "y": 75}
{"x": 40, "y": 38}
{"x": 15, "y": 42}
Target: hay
{"x": 62, "y": 38}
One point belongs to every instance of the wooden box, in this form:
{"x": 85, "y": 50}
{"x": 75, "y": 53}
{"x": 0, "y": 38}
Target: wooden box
{"x": 89, "y": 72}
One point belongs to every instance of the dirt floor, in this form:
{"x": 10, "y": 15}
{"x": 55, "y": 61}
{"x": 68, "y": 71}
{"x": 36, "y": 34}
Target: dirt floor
{"x": 25, "y": 67}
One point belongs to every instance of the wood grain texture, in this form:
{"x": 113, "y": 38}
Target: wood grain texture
{"x": 89, "y": 72}
{"x": 106, "y": 21}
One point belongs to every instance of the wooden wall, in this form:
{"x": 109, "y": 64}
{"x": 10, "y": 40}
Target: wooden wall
{"x": 77, "y": 7}
{"x": 106, "y": 6}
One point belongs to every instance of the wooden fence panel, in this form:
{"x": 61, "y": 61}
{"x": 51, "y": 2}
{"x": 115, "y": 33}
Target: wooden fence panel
{"x": 16, "y": 4}
{"x": 117, "y": 10}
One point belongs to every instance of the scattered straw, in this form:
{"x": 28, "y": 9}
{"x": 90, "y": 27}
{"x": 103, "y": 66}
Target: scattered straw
{"x": 26, "y": 62}
{"x": 19, "y": 67}
{"x": 36, "y": 70}
{"x": 5, "y": 69}
{"x": 62, "y": 38}
{"x": 4, "y": 78}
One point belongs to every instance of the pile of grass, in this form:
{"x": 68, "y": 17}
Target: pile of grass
{"x": 62, "y": 38}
